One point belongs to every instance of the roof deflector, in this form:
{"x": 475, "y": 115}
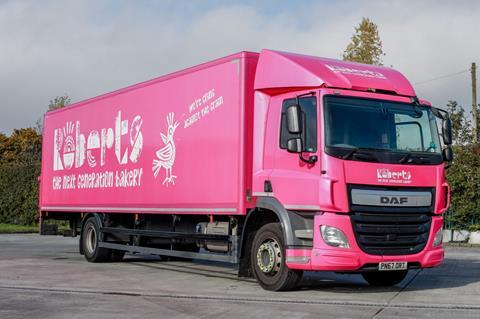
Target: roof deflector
{"x": 277, "y": 69}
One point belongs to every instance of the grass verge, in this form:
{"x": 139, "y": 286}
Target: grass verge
{"x": 12, "y": 229}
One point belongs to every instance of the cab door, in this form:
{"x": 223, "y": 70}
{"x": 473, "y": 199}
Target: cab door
{"x": 295, "y": 183}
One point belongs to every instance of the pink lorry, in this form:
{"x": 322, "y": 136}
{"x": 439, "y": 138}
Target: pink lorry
{"x": 278, "y": 162}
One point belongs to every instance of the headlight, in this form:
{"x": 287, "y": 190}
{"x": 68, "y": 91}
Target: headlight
{"x": 334, "y": 236}
{"x": 437, "y": 241}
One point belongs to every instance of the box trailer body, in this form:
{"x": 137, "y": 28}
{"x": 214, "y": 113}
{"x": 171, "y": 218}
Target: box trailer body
{"x": 101, "y": 154}
{"x": 205, "y": 163}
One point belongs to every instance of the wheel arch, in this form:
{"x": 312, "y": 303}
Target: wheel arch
{"x": 269, "y": 209}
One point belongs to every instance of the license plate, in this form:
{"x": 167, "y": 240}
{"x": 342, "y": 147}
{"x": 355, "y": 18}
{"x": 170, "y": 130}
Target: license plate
{"x": 392, "y": 265}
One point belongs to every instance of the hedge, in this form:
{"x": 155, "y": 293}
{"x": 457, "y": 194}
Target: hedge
{"x": 19, "y": 193}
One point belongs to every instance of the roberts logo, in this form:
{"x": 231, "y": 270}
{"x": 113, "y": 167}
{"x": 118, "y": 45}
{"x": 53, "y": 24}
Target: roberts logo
{"x": 71, "y": 146}
{"x": 385, "y": 175}
{"x": 358, "y": 72}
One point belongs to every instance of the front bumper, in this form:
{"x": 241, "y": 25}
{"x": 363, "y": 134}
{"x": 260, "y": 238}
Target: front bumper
{"x": 324, "y": 257}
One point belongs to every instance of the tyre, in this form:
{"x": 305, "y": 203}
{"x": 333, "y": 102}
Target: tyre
{"x": 387, "y": 278}
{"x": 268, "y": 260}
{"x": 90, "y": 240}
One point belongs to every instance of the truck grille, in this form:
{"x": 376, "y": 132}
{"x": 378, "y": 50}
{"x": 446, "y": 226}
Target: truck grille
{"x": 382, "y": 233}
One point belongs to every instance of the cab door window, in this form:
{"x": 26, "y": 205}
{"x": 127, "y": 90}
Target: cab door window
{"x": 308, "y": 106}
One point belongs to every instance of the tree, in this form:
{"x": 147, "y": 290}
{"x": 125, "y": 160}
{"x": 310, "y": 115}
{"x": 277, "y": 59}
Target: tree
{"x": 461, "y": 126}
{"x": 23, "y": 146}
{"x": 19, "y": 169}
{"x": 20, "y": 156}
{"x": 3, "y": 139}
{"x": 464, "y": 173}
{"x": 59, "y": 102}
{"x": 464, "y": 179}
{"x": 3, "y": 142}
{"x": 365, "y": 45}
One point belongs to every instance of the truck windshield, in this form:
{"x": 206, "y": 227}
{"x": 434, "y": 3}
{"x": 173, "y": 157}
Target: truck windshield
{"x": 356, "y": 125}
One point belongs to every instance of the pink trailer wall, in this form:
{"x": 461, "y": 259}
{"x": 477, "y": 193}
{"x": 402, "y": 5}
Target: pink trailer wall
{"x": 172, "y": 144}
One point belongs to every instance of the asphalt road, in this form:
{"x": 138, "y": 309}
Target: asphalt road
{"x": 45, "y": 277}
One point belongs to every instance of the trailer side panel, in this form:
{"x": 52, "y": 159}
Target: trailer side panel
{"x": 171, "y": 145}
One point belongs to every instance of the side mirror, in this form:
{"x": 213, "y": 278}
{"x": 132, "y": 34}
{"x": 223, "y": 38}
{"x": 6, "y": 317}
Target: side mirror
{"x": 294, "y": 145}
{"x": 447, "y": 131}
{"x": 446, "y": 124}
{"x": 293, "y": 119}
{"x": 447, "y": 154}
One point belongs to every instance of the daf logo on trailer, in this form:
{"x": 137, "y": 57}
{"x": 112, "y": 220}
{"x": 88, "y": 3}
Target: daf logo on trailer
{"x": 393, "y": 200}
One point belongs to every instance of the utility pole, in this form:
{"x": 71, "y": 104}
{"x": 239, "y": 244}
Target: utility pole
{"x": 474, "y": 102}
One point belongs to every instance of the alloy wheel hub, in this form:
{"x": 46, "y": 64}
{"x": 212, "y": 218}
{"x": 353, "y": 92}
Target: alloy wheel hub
{"x": 269, "y": 257}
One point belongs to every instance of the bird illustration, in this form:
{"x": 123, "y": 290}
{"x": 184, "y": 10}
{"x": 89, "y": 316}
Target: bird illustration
{"x": 166, "y": 155}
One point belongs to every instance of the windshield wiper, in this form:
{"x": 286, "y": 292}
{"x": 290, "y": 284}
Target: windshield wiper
{"x": 357, "y": 153}
{"x": 413, "y": 158}
{"x": 350, "y": 153}
{"x": 405, "y": 158}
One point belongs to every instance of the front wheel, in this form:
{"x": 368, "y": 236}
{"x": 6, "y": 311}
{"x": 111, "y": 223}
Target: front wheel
{"x": 268, "y": 260}
{"x": 387, "y": 278}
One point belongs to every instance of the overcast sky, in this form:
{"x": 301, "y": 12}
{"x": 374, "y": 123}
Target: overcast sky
{"x": 86, "y": 48}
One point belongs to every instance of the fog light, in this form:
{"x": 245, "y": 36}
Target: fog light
{"x": 334, "y": 236}
{"x": 437, "y": 241}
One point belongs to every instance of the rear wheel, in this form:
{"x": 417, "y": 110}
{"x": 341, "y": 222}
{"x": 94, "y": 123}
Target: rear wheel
{"x": 90, "y": 242}
{"x": 268, "y": 260}
{"x": 387, "y": 278}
